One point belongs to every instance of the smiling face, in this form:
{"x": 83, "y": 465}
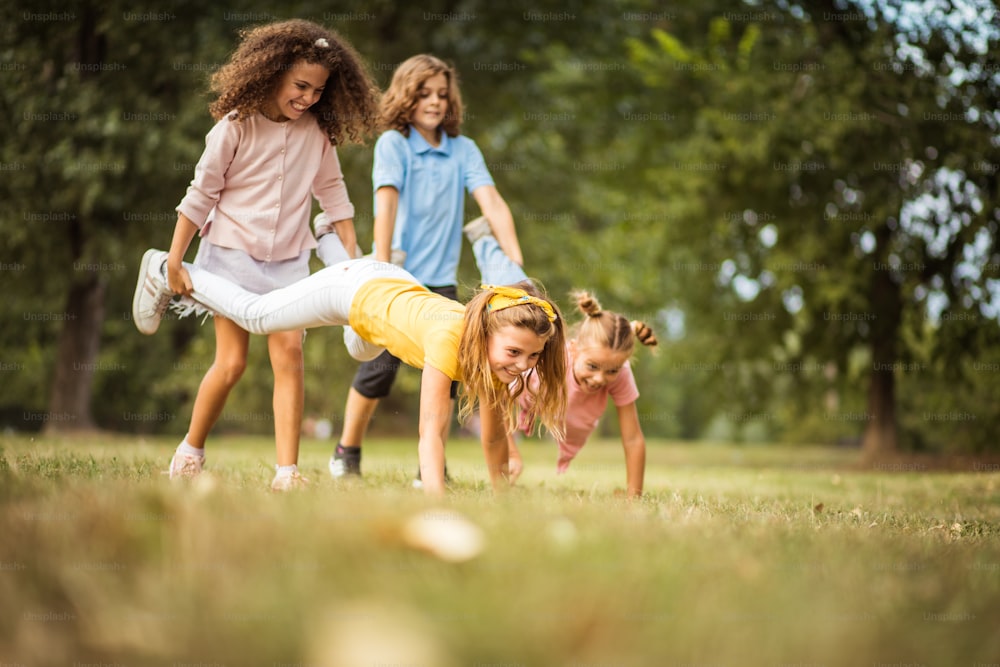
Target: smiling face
{"x": 511, "y": 350}
{"x": 595, "y": 366}
{"x": 431, "y": 107}
{"x": 299, "y": 89}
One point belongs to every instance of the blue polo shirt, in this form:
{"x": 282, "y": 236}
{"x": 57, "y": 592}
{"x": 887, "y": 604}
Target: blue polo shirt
{"x": 432, "y": 182}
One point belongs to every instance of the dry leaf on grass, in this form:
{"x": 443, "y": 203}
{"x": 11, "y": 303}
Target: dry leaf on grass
{"x": 445, "y": 534}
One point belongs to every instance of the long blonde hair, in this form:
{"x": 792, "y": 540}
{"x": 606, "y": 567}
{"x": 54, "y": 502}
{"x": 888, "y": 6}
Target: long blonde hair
{"x": 400, "y": 99}
{"x": 479, "y": 382}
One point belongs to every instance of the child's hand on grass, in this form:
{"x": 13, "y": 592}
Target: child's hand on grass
{"x": 514, "y": 466}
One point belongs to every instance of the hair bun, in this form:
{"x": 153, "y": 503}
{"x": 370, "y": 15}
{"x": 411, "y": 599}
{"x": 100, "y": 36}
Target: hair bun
{"x": 586, "y": 303}
{"x": 643, "y": 333}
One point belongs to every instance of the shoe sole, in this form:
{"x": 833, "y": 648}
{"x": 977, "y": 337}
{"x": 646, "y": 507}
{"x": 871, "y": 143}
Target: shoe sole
{"x": 179, "y": 474}
{"x": 140, "y": 285}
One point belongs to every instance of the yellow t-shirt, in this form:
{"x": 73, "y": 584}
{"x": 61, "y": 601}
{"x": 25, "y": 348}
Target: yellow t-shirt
{"x": 413, "y": 323}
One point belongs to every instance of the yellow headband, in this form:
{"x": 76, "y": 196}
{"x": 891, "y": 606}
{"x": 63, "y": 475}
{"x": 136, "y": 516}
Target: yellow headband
{"x": 505, "y": 297}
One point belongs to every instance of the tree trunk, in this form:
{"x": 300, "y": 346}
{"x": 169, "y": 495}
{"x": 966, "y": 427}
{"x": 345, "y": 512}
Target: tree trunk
{"x": 80, "y": 338}
{"x": 881, "y": 437}
{"x": 76, "y": 357}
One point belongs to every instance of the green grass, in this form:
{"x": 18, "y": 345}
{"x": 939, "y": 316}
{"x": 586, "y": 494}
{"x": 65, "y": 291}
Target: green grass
{"x": 735, "y": 556}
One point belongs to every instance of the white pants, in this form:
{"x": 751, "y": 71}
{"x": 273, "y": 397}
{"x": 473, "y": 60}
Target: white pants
{"x": 323, "y": 299}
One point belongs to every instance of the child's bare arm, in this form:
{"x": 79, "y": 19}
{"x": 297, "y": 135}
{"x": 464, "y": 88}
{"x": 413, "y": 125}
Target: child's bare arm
{"x": 634, "y": 443}
{"x": 177, "y": 276}
{"x": 501, "y": 221}
{"x": 514, "y": 461}
{"x": 386, "y": 205}
{"x": 435, "y": 410}
{"x": 493, "y": 433}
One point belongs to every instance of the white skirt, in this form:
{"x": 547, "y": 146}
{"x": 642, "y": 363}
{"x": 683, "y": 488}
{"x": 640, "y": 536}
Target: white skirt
{"x": 251, "y": 274}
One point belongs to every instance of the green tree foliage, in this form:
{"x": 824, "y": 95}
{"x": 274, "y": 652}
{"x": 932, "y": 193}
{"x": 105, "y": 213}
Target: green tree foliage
{"x": 830, "y": 178}
{"x": 102, "y": 121}
{"x": 802, "y": 202}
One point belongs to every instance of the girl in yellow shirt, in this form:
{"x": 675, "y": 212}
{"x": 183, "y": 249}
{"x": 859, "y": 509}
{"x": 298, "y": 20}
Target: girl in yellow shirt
{"x": 487, "y": 344}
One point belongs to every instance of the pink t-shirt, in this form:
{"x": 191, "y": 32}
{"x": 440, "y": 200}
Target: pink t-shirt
{"x": 260, "y": 177}
{"x": 583, "y": 409}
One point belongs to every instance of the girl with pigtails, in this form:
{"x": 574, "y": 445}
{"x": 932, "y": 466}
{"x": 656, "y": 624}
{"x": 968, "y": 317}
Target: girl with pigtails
{"x": 597, "y": 367}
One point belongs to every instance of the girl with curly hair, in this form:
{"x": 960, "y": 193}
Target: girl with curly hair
{"x": 502, "y": 340}
{"x": 289, "y": 94}
{"x": 423, "y": 167}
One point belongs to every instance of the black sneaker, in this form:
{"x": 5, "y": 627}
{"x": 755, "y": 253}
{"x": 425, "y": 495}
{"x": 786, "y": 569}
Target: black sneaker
{"x": 419, "y": 484}
{"x": 345, "y": 461}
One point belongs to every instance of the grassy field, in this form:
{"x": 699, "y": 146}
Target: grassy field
{"x": 736, "y": 556}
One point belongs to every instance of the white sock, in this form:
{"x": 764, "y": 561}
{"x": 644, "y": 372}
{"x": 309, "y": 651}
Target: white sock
{"x": 187, "y": 450}
{"x": 285, "y": 471}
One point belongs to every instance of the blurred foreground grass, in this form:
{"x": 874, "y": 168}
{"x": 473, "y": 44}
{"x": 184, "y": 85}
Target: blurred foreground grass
{"x": 735, "y": 556}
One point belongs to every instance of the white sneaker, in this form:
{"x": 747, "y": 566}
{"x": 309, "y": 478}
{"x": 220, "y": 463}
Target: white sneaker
{"x": 288, "y": 481}
{"x": 477, "y": 229}
{"x": 185, "y": 465}
{"x": 152, "y": 294}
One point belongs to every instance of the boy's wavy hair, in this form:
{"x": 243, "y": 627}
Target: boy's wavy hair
{"x": 401, "y": 98}
{"x": 346, "y": 112}
{"x": 479, "y": 382}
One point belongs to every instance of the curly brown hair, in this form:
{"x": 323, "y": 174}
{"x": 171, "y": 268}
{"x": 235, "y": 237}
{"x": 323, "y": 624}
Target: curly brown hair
{"x": 401, "y": 97}
{"x": 347, "y": 111}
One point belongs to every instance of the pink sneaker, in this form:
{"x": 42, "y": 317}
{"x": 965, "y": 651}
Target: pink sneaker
{"x": 289, "y": 482}
{"x": 185, "y": 465}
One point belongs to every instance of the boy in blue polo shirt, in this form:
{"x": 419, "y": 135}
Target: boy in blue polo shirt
{"x": 422, "y": 168}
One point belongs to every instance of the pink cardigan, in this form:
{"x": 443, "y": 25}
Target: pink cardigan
{"x": 259, "y": 176}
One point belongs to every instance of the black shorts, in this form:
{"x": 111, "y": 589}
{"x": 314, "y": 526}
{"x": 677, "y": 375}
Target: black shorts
{"x": 374, "y": 378}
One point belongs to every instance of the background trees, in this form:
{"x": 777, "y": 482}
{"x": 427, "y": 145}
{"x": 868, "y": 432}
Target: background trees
{"x": 803, "y": 201}
{"x": 844, "y": 160}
